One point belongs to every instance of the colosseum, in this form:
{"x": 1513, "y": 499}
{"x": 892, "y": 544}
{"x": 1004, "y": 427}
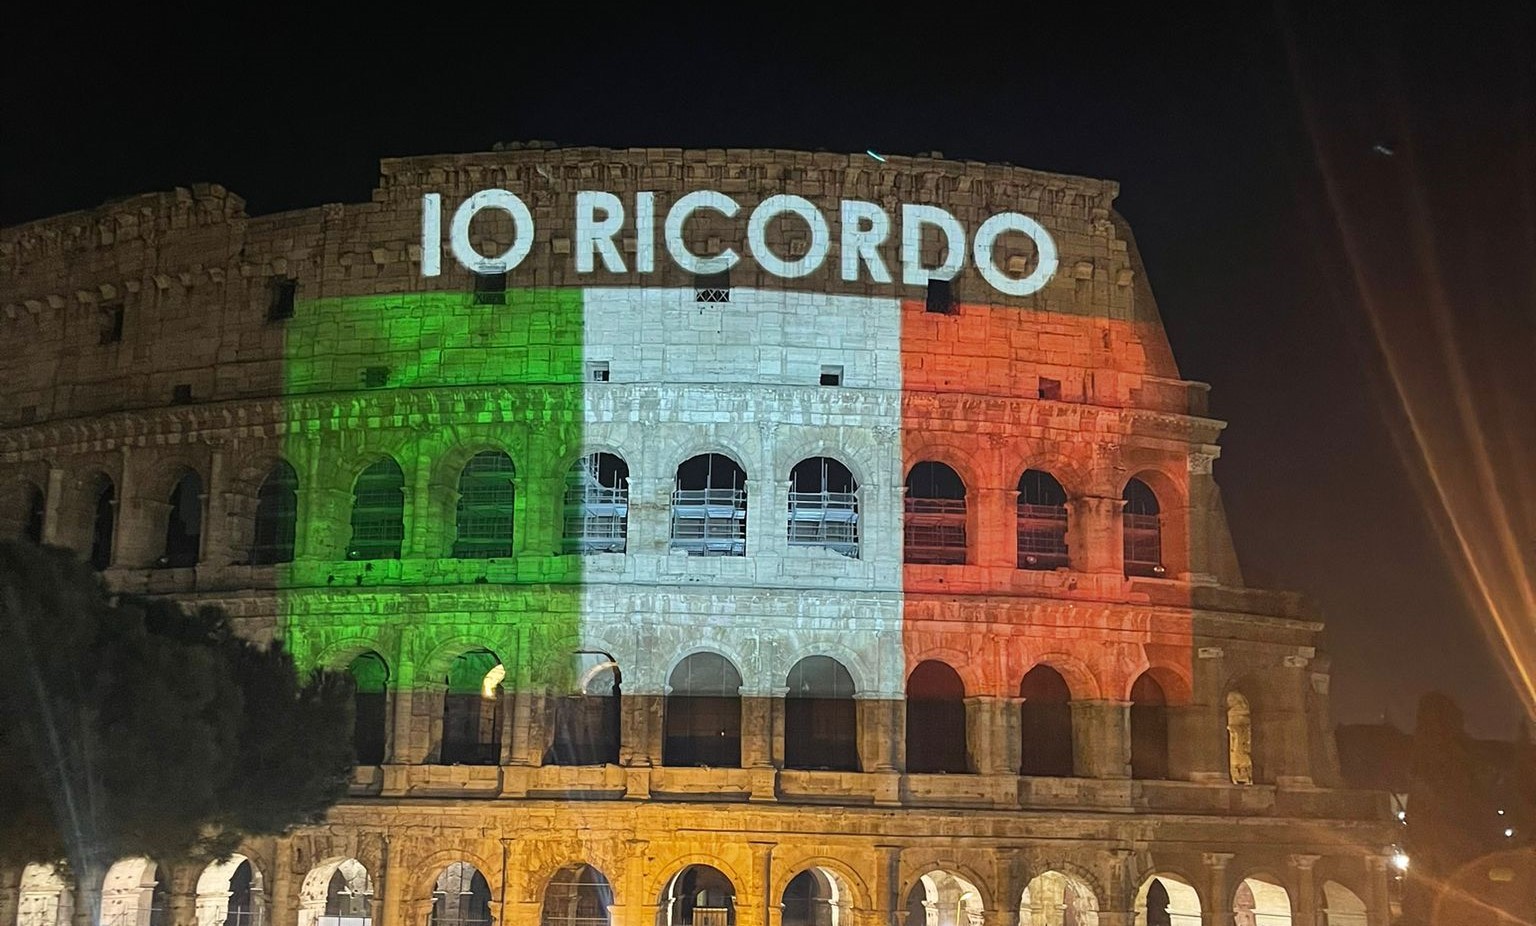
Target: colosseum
{"x": 717, "y": 538}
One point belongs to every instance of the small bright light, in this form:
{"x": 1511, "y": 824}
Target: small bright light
{"x": 1508, "y": 832}
{"x": 1501, "y": 813}
{"x": 1400, "y": 861}
{"x": 1402, "y": 816}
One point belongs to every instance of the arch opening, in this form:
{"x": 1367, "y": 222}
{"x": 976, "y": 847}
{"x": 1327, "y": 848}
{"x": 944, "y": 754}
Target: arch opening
{"x": 936, "y": 736}
{"x": 1053, "y": 898}
{"x": 1042, "y": 521}
{"x": 1260, "y": 902}
{"x": 184, "y": 523}
{"x": 460, "y": 897}
{"x": 135, "y": 893}
{"x": 824, "y": 506}
{"x": 1167, "y": 900}
{"x": 701, "y": 718}
{"x": 934, "y": 523}
{"x": 577, "y": 895}
{"x": 103, "y": 522}
{"x": 484, "y": 514}
{"x": 370, "y": 704}
{"x": 231, "y": 893}
{"x": 821, "y": 724}
{"x": 699, "y": 895}
{"x": 817, "y": 897}
{"x": 378, "y": 512}
{"x": 34, "y": 514}
{"x": 709, "y": 507}
{"x": 277, "y": 512}
{"x": 943, "y": 898}
{"x": 1239, "y": 739}
{"x": 597, "y": 505}
{"x": 472, "y": 710}
{"x": 45, "y": 897}
{"x": 336, "y": 893}
{"x": 1149, "y": 729}
{"x": 1045, "y": 724}
{"x": 1341, "y": 906}
{"x": 587, "y": 716}
{"x": 1141, "y": 525}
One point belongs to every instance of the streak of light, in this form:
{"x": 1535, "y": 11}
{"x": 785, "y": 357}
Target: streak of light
{"x": 1473, "y": 503}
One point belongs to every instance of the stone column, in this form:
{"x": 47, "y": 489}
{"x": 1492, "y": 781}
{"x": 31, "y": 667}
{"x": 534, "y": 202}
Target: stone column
{"x": 53, "y": 505}
{"x": 776, "y": 709}
{"x": 182, "y": 899}
{"x": 1101, "y": 739}
{"x": 1197, "y": 743}
{"x": 1283, "y": 726}
{"x": 390, "y": 908}
{"x": 281, "y": 910}
{"x": 996, "y": 528}
{"x": 1218, "y": 910}
{"x": 756, "y": 730}
{"x": 418, "y": 722}
{"x": 1378, "y": 910}
{"x": 987, "y": 736}
{"x": 1094, "y": 540}
{"x": 640, "y": 730}
{"x": 418, "y": 509}
{"x": 753, "y": 911}
{"x": 1306, "y": 890}
{"x": 218, "y": 543}
{"x": 880, "y": 732}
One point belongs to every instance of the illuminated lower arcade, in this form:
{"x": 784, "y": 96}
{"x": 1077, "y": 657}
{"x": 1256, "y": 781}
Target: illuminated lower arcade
{"x": 730, "y": 598}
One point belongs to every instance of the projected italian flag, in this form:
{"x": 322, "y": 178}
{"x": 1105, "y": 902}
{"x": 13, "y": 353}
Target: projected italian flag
{"x": 690, "y": 492}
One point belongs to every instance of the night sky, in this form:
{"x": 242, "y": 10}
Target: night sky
{"x": 1221, "y": 124}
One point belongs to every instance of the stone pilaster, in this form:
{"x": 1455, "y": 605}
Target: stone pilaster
{"x": 1094, "y": 541}
{"x": 1305, "y": 901}
{"x": 1218, "y": 911}
{"x": 1101, "y": 739}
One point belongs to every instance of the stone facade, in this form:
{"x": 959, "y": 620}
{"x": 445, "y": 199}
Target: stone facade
{"x": 142, "y": 347}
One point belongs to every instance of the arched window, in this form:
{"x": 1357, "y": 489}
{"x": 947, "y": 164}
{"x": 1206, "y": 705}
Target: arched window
{"x": 1166, "y": 900}
{"x": 43, "y": 897}
{"x": 184, "y": 525}
{"x": 378, "y": 512}
{"x": 597, "y": 505}
{"x": 818, "y": 897}
{"x": 821, "y": 722}
{"x": 697, "y": 896}
{"x": 230, "y": 893}
{"x": 37, "y": 510}
{"x": 702, "y": 717}
{"x": 485, "y": 507}
{"x": 348, "y": 896}
{"x": 587, "y": 715}
{"x": 243, "y": 908}
{"x": 135, "y": 892}
{"x": 824, "y": 506}
{"x": 104, "y": 510}
{"x": 472, "y": 710}
{"x": 461, "y": 897}
{"x": 1045, "y": 723}
{"x": 935, "y": 515}
{"x": 1042, "y": 514}
{"x": 709, "y": 507}
{"x": 1239, "y": 739}
{"x": 936, "y": 740}
{"x": 1149, "y": 729}
{"x": 1053, "y": 898}
{"x": 1261, "y": 902}
{"x": 943, "y": 898}
{"x": 277, "y": 512}
{"x": 1143, "y": 531}
{"x": 370, "y": 702}
{"x": 577, "y": 895}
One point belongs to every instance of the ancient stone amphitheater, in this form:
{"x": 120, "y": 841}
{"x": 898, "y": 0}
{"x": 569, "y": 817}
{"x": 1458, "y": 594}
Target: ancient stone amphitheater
{"x": 715, "y": 537}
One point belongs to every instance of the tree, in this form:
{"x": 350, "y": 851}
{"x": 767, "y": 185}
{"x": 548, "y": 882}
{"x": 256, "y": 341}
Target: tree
{"x": 134, "y": 727}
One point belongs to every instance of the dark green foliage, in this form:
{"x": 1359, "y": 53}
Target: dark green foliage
{"x": 132, "y": 727}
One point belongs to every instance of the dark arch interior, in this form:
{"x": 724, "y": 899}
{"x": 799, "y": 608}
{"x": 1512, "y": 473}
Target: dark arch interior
{"x": 709, "y": 507}
{"x": 577, "y": 895}
{"x": 461, "y": 897}
{"x": 1046, "y": 723}
{"x": 184, "y": 526}
{"x": 587, "y": 718}
{"x": 370, "y": 702}
{"x": 820, "y": 717}
{"x": 934, "y": 526}
{"x": 242, "y": 905}
{"x": 471, "y": 719}
{"x": 929, "y": 479}
{"x": 698, "y": 896}
{"x": 104, "y": 514}
{"x": 1149, "y": 729}
{"x": 936, "y": 740}
{"x": 702, "y": 717}
{"x": 1143, "y": 530}
{"x": 809, "y": 900}
{"x": 1042, "y": 521}
{"x": 824, "y": 506}
{"x": 277, "y": 511}
{"x": 37, "y": 509}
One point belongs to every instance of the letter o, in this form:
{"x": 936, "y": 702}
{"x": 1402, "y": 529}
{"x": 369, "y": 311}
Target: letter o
{"x": 986, "y": 237}
{"x": 757, "y": 228}
{"x": 522, "y": 231}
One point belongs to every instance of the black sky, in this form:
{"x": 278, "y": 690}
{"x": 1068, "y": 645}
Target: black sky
{"x": 1197, "y": 111}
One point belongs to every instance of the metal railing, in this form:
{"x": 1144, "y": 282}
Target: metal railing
{"x": 596, "y": 518}
{"x": 1042, "y": 536}
{"x": 935, "y": 531}
{"x": 1143, "y": 545}
{"x": 825, "y": 519}
{"x": 710, "y": 522}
